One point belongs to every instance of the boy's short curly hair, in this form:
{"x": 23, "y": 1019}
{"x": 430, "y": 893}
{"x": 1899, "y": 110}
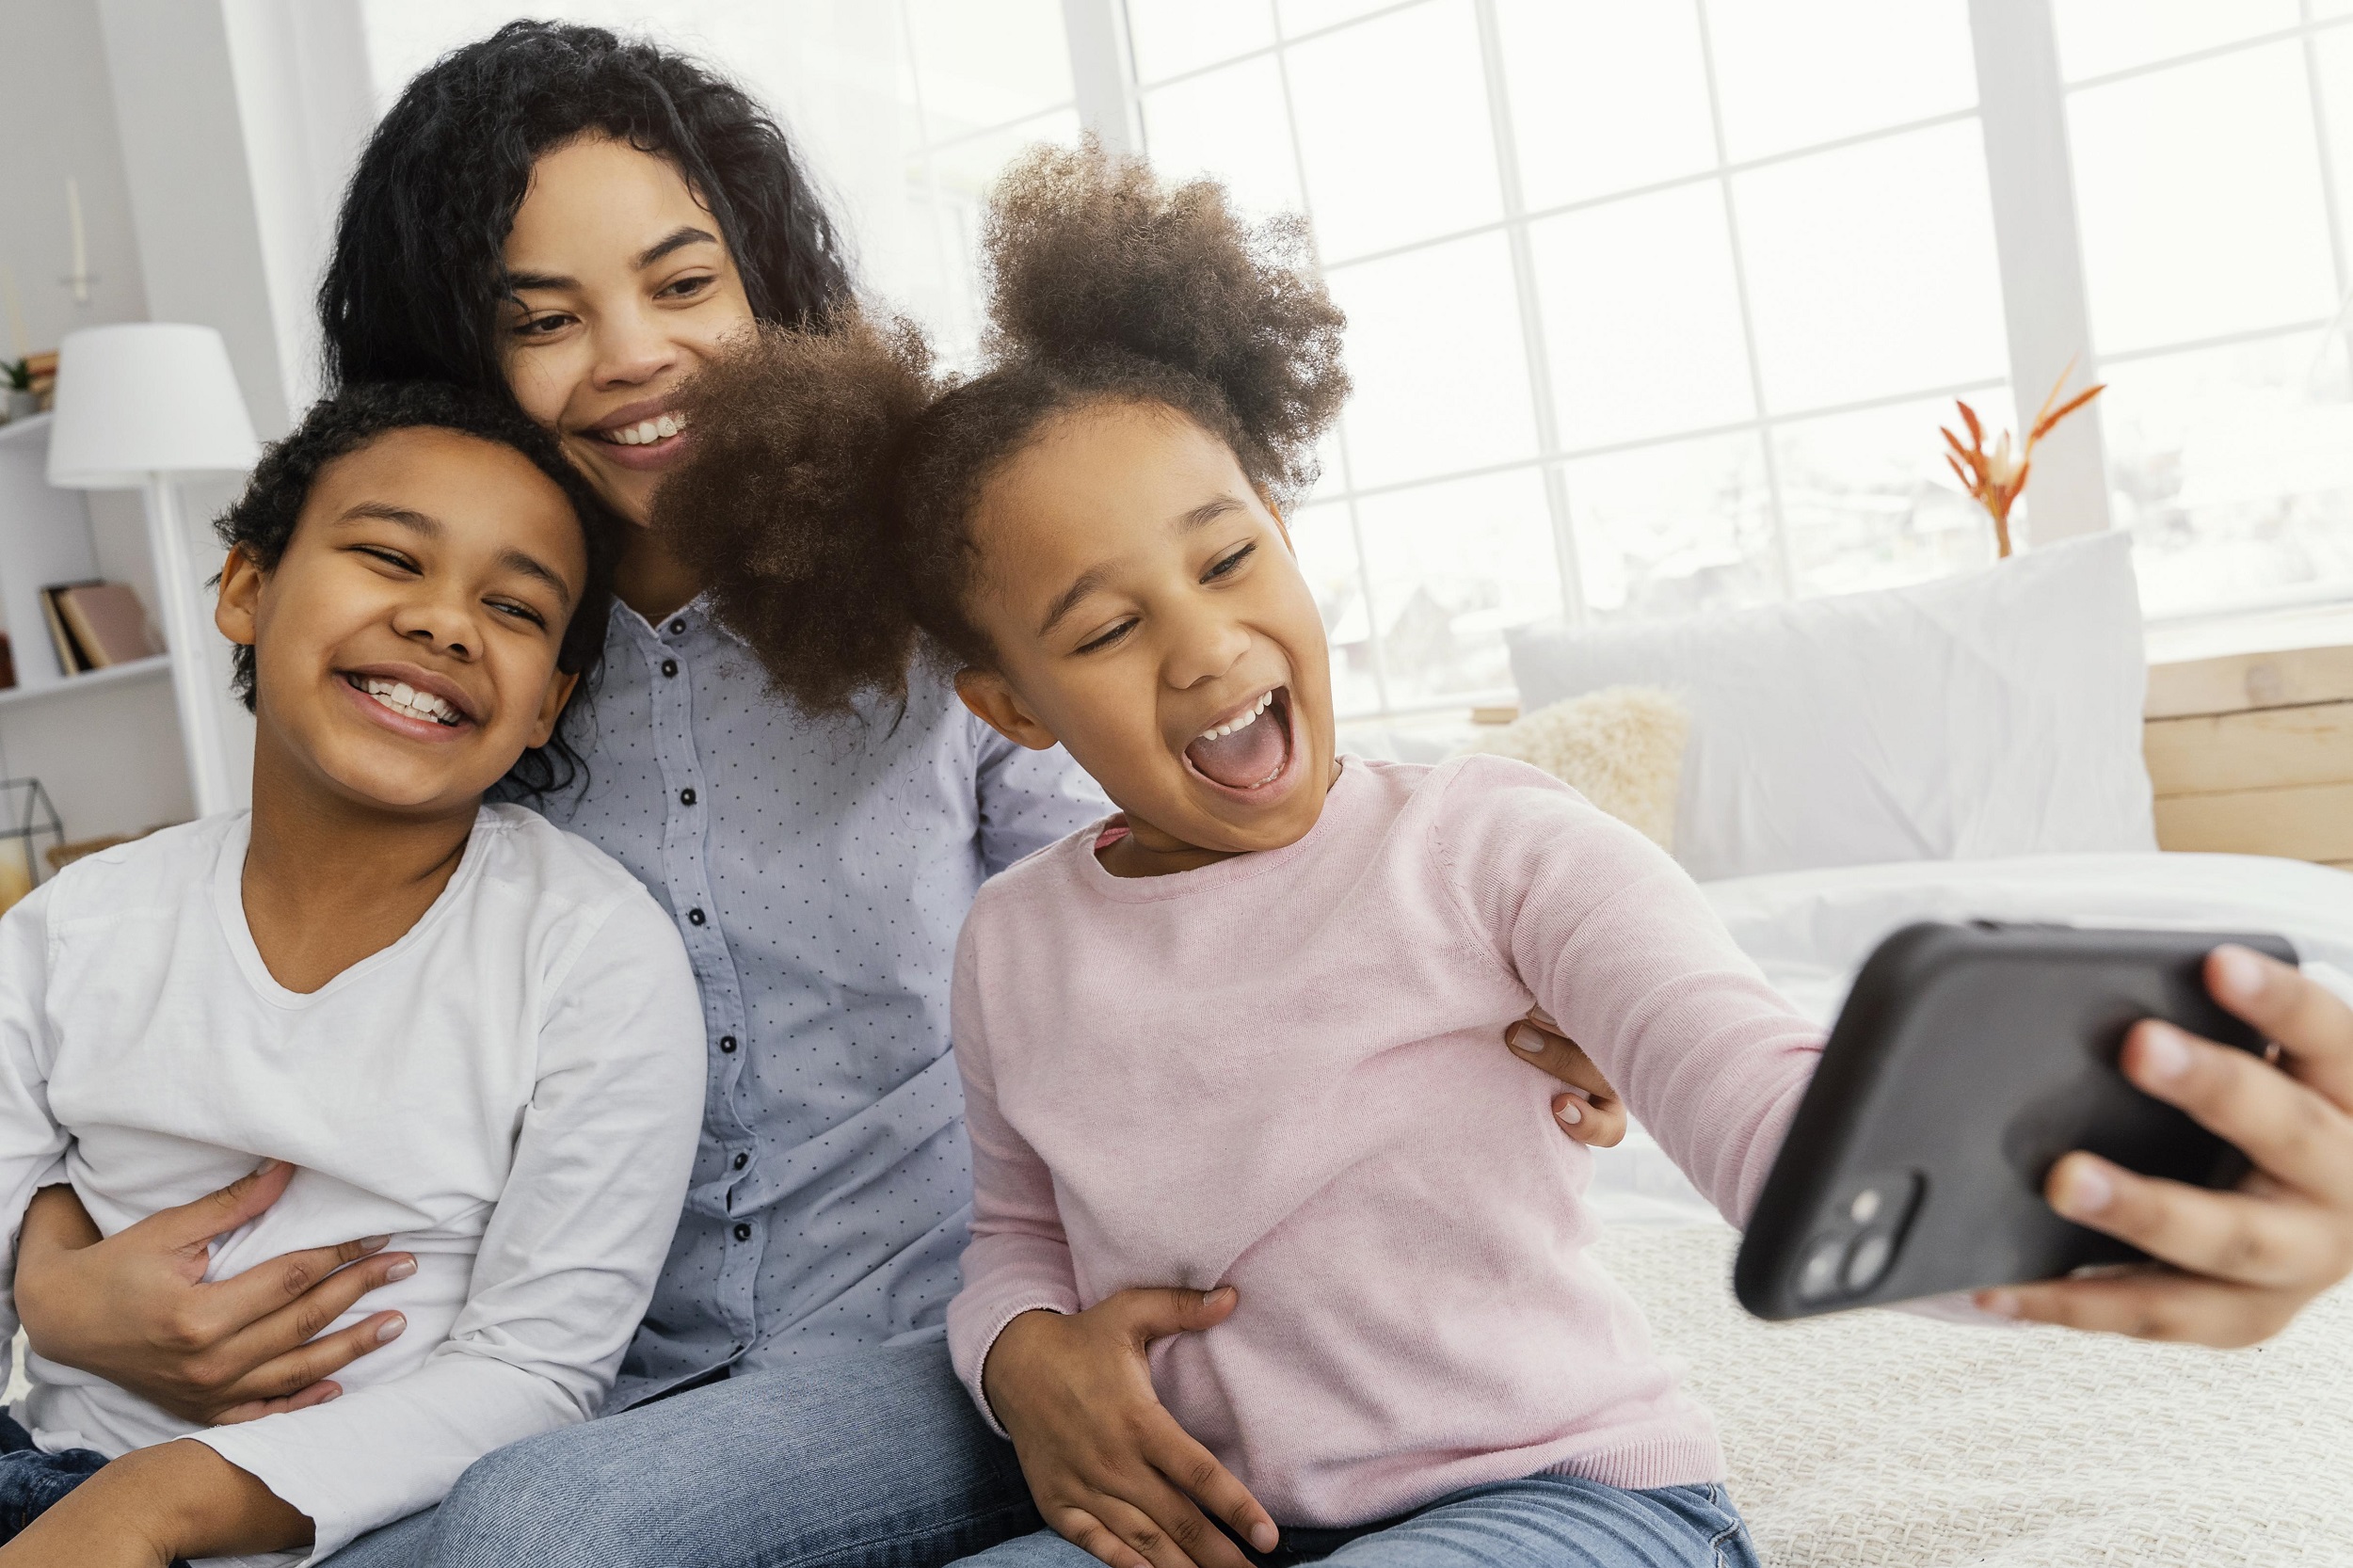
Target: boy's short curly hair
{"x": 262, "y": 521}
{"x": 830, "y": 488}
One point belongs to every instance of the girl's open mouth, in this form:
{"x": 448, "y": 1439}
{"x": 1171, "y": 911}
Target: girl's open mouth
{"x": 401, "y": 701}
{"x": 1249, "y": 751}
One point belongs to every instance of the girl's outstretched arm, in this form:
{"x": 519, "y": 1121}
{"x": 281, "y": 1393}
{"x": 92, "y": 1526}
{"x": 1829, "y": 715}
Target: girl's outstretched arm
{"x": 2236, "y": 1266}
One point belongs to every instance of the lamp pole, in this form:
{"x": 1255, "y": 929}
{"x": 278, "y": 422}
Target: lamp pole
{"x": 175, "y": 584}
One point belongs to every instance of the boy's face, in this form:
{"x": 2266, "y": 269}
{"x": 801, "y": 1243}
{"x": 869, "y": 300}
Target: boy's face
{"x": 405, "y": 645}
{"x": 1139, "y": 594}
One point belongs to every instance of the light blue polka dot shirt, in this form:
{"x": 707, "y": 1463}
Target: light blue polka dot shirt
{"x": 818, "y": 871}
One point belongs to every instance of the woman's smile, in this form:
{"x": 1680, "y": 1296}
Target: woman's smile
{"x": 646, "y": 435}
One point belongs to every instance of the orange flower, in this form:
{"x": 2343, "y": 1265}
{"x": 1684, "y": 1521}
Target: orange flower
{"x": 1997, "y": 479}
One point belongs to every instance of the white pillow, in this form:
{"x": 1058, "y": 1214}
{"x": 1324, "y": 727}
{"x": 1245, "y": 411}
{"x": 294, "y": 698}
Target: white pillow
{"x": 1997, "y": 712}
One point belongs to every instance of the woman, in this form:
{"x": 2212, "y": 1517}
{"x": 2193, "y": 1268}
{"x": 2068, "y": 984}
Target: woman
{"x": 585, "y": 222}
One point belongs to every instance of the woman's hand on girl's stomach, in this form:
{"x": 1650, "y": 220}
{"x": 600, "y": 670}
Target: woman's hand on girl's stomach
{"x": 2234, "y": 1267}
{"x": 1590, "y": 1110}
{"x": 134, "y": 1307}
{"x": 1111, "y": 1469}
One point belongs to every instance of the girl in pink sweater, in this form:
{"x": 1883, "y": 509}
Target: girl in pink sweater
{"x": 1241, "y": 1038}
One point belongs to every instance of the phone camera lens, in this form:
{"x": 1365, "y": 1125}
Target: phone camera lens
{"x": 1866, "y": 1206}
{"x": 1868, "y": 1263}
{"x": 1818, "y": 1278}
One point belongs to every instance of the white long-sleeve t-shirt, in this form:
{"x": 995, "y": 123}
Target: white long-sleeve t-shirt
{"x": 511, "y": 1091}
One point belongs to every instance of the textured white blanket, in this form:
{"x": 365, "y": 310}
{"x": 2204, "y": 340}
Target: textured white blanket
{"x": 1878, "y": 1439}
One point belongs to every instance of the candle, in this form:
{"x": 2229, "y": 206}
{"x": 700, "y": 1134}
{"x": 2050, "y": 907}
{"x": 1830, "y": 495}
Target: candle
{"x": 81, "y": 244}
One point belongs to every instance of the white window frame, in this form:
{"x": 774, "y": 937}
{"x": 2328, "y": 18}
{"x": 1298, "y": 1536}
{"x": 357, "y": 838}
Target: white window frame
{"x": 2022, "y": 114}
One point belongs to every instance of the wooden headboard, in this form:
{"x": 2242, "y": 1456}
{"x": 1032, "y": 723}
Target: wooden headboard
{"x": 2253, "y": 754}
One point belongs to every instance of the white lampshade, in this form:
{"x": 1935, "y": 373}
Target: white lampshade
{"x": 142, "y": 399}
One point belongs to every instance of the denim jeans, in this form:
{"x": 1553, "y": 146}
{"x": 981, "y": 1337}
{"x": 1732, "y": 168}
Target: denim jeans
{"x": 31, "y": 1482}
{"x": 875, "y": 1459}
{"x": 1541, "y": 1522}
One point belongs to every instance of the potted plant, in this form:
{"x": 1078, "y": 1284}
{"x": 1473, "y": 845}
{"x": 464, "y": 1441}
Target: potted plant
{"x": 19, "y": 375}
{"x": 1996, "y": 478}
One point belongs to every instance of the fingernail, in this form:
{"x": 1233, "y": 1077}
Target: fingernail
{"x": 334, "y": 1392}
{"x": 392, "y": 1329}
{"x": 401, "y": 1270}
{"x": 1263, "y": 1536}
{"x": 2085, "y": 1189}
{"x": 1566, "y": 1113}
{"x": 1517, "y": 1033}
{"x": 375, "y": 1243}
{"x": 2236, "y": 971}
{"x": 1210, "y": 1298}
{"x": 2002, "y": 1303}
{"x": 2164, "y": 1053}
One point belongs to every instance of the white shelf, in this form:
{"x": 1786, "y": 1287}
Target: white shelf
{"x": 24, "y": 429}
{"x": 155, "y": 667}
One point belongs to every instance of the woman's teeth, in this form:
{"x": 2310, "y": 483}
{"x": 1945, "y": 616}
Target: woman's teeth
{"x": 1244, "y": 722}
{"x": 406, "y": 700}
{"x": 647, "y": 431}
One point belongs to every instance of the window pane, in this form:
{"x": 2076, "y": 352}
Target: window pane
{"x": 1229, "y": 123}
{"x": 1393, "y": 124}
{"x": 1794, "y": 73}
{"x": 2200, "y": 197}
{"x": 2096, "y": 37}
{"x": 2233, "y": 468}
{"x": 1869, "y": 501}
{"x": 980, "y": 66}
{"x": 1871, "y": 269}
{"x": 1170, "y": 36}
{"x": 1452, "y": 566}
{"x": 1642, "y": 317}
{"x": 1605, "y": 96}
{"x": 1302, "y": 16}
{"x": 1441, "y": 371}
{"x": 1327, "y": 558}
{"x": 1674, "y": 529}
{"x": 953, "y": 182}
{"x": 2333, "y": 51}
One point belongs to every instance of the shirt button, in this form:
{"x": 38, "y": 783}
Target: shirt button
{"x": 669, "y": 666}
{"x": 741, "y": 1160}
{"x": 694, "y": 916}
{"x": 686, "y": 797}
{"x": 677, "y": 627}
{"x": 726, "y": 1045}
{"x": 743, "y": 1232}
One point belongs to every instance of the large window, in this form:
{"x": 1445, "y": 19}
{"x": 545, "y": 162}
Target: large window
{"x": 1655, "y": 306}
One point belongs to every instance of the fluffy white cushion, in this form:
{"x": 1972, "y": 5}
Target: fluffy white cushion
{"x": 1997, "y": 712}
{"x": 1620, "y": 747}
{"x": 1885, "y": 1440}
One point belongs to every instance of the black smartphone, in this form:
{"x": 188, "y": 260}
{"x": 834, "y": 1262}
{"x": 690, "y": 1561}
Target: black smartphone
{"x": 1967, "y": 1059}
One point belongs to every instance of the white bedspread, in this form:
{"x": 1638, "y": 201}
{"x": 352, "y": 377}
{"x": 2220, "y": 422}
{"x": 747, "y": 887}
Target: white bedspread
{"x": 1886, "y": 1440}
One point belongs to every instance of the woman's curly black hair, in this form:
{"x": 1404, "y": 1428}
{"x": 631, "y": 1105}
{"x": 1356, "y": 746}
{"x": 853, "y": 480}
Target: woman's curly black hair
{"x": 413, "y": 288}
{"x": 262, "y": 520}
{"x": 829, "y": 489}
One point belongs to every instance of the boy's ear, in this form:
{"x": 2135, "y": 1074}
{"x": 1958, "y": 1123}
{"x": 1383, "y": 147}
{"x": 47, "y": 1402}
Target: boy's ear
{"x": 238, "y": 601}
{"x": 552, "y": 706}
{"x": 994, "y": 703}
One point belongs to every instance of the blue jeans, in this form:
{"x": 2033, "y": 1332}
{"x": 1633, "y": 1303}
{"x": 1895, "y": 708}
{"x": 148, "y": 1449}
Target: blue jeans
{"x": 875, "y": 1459}
{"x": 1541, "y": 1522}
{"x": 31, "y": 1482}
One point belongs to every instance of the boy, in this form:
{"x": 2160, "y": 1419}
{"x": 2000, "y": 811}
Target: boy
{"x": 470, "y": 1033}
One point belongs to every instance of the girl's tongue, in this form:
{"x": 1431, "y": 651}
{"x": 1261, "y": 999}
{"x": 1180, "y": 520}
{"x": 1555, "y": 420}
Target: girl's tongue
{"x": 1250, "y": 756}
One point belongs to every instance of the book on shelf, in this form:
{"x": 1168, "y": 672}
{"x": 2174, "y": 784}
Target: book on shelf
{"x": 96, "y": 625}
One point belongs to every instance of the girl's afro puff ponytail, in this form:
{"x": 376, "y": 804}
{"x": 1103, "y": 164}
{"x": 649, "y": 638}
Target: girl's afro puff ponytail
{"x": 1092, "y": 260}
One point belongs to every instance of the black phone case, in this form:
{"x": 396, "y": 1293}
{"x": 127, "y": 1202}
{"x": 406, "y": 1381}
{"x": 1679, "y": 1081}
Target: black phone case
{"x": 1968, "y": 1059}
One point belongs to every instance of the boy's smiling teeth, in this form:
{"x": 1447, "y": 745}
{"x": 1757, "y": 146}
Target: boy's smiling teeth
{"x": 406, "y": 700}
{"x": 647, "y": 431}
{"x": 1242, "y": 721}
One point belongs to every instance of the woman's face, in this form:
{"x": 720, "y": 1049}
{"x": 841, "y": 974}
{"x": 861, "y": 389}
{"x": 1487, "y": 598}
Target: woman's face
{"x": 620, "y": 289}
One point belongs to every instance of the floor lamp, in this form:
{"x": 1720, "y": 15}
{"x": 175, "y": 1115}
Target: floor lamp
{"x": 142, "y": 407}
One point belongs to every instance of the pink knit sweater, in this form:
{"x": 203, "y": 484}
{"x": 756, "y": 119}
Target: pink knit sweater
{"x": 1285, "y": 1072}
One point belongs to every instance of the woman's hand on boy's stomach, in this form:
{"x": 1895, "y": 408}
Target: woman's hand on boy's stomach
{"x": 135, "y": 1309}
{"x": 2234, "y": 1267}
{"x": 1107, "y": 1465}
